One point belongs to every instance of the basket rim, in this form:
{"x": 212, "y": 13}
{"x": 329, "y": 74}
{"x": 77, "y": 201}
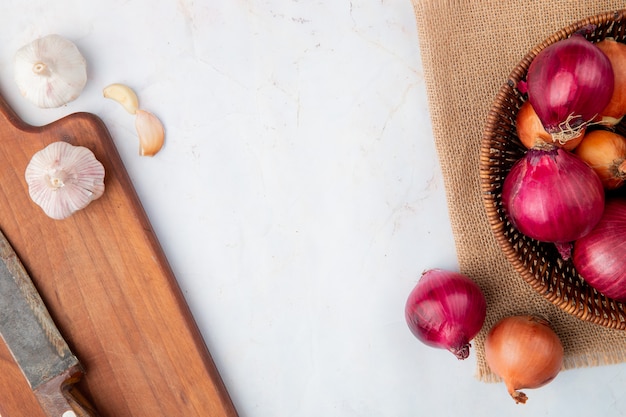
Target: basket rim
{"x": 586, "y": 312}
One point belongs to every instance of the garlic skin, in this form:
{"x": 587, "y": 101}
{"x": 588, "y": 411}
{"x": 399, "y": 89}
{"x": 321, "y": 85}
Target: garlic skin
{"x": 50, "y": 71}
{"x": 150, "y": 131}
{"x": 64, "y": 178}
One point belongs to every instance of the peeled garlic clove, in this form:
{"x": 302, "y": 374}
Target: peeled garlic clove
{"x": 64, "y": 178}
{"x": 123, "y": 95}
{"x": 151, "y": 133}
{"x": 50, "y": 71}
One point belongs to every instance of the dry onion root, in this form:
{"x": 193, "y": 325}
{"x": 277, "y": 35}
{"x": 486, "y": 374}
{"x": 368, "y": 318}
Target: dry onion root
{"x": 532, "y": 133}
{"x": 525, "y": 352}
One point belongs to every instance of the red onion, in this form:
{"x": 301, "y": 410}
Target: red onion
{"x": 552, "y": 196}
{"x": 569, "y": 83}
{"x": 446, "y": 310}
{"x": 600, "y": 256}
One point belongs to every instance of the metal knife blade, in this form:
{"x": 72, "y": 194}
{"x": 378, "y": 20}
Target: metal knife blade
{"x": 36, "y": 344}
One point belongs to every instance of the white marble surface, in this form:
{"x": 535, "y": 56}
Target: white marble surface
{"x": 298, "y": 197}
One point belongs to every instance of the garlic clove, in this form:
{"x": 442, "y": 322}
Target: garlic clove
{"x": 123, "y": 95}
{"x": 50, "y": 71}
{"x": 151, "y": 133}
{"x": 63, "y": 178}
{"x": 149, "y": 128}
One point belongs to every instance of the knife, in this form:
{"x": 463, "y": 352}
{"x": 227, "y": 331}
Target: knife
{"x": 36, "y": 344}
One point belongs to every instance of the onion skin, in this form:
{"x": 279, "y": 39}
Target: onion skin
{"x": 525, "y": 352}
{"x": 569, "y": 83}
{"x": 532, "y": 134}
{"x": 605, "y": 153}
{"x": 616, "y": 53}
{"x": 552, "y": 196}
{"x": 446, "y": 310}
{"x": 600, "y": 256}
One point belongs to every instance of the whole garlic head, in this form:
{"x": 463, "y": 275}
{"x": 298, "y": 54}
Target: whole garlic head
{"x": 64, "y": 178}
{"x": 50, "y": 71}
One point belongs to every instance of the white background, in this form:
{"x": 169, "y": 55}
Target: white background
{"x": 298, "y": 197}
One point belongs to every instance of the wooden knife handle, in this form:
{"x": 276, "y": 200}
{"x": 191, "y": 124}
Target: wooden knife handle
{"x": 60, "y": 398}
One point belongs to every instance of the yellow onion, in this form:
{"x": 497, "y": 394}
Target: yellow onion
{"x": 605, "y": 153}
{"x": 615, "y": 110}
{"x": 525, "y": 352}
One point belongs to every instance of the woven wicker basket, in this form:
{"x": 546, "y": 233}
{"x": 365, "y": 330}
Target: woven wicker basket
{"x": 539, "y": 263}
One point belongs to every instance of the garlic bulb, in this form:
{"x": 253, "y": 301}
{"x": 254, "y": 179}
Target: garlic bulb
{"x": 64, "y": 178}
{"x": 50, "y": 71}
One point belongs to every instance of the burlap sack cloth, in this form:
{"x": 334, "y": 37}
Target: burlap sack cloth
{"x": 469, "y": 48}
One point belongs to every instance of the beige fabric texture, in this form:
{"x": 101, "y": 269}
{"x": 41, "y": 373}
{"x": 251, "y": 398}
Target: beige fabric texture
{"x": 468, "y": 49}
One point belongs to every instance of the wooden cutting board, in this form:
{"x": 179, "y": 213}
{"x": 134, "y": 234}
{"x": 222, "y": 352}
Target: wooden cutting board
{"x": 108, "y": 286}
